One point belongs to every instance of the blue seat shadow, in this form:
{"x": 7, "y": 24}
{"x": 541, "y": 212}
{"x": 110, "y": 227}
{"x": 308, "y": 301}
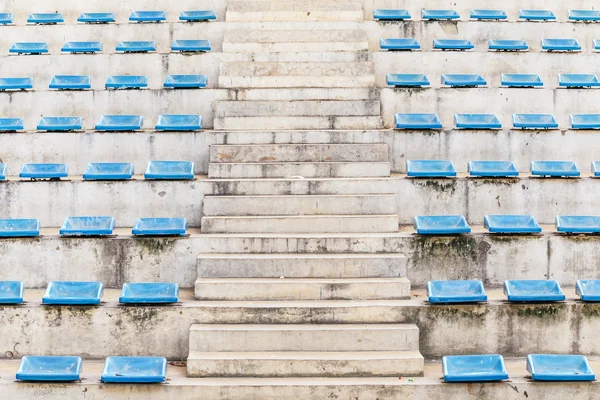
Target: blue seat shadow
{"x": 488, "y": 14}
{"x": 585, "y": 121}
{"x": 511, "y": 224}
{"x": 463, "y": 80}
{"x": 439, "y": 14}
{"x": 82, "y": 47}
{"x": 16, "y": 83}
{"x": 160, "y": 226}
{"x": 11, "y": 292}
{"x": 19, "y": 227}
{"x": 157, "y": 293}
{"x": 120, "y": 123}
{"x": 477, "y": 121}
{"x": 29, "y": 48}
{"x": 108, "y": 171}
{"x": 584, "y": 15}
{"x": 391, "y": 14}
{"x": 70, "y": 82}
{"x": 508, "y": 45}
{"x": 561, "y": 45}
{"x": 190, "y": 45}
{"x": 186, "y": 81}
{"x": 126, "y": 82}
{"x": 417, "y": 121}
{"x": 179, "y": 122}
{"x": 197, "y": 15}
{"x": 578, "y": 80}
{"x": 441, "y": 225}
{"x": 588, "y": 289}
{"x": 401, "y": 44}
{"x": 11, "y": 124}
{"x": 134, "y": 370}
{"x": 578, "y": 224}
{"x": 559, "y": 367}
{"x": 50, "y": 368}
{"x": 60, "y": 124}
{"x": 596, "y": 168}
{"x": 521, "y": 80}
{"x": 430, "y": 168}
{"x": 170, "y": 170}
{"x": 3, "y": 168}
{"x": 554, "y": 168}
{"x": 407, "y": 80}
{"x": 534, "y": 121}
{"x": 533, "y": 290}
{"x": 444, "y": 292}
{"x": 139, "y": 46}
{"x": 44, "y": 171}
{"x": 492, "y": 169}
{"x": 148, "y": 16}
{"x": 537, "y": 15}
{"x": 88, "y": 226}
{"x": 73, "y": 293}
{"x": 6, "y": 18}
{"x": 45, "y": 18}
{"x": 452, "y": 44}
{"x": 97, "y": 18}
{"x": 474, "y": 368}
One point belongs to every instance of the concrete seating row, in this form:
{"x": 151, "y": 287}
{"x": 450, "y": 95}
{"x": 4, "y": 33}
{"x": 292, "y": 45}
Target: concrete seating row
{"x": 83, "y": 82}
{"x": 91, "y": 47}
{"x": 507, "y": 80}
{"x": 511, "y": 45}
{"x": 7, "y": 18}
{"x": 491, "y": 121}
{"x": 485, "y": 15}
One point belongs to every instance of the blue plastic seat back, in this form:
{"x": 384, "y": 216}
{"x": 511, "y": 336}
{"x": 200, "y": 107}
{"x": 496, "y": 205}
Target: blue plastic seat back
{"x": 119, "y": 123}
{"x": 521, "y": 80}
{"x": 430, "y": 168}
{"x": 474, "y": 368}
{"x": 108, "y": 171}
{"x": 463, "y": 80}
{"x": 6, "y": 18}
{"x": 197, "y": 15}
{"x": 60, "y": 124}
{"x": 82, "y": 47}
{"x": 533, "y": 290}
{"x": 29, "y": 48}
{"x": 16, "y": 83}
{"x": 584, "y": 15}
{"x": 456, "y": 291}
{"x": 588, "y": 289}
{"x": 170, "y": 170}
{"x": 578, "y": 223}
{"x": 160, "y": 226}
{"x": 439, "y": 14}
{"x": 492, "y": 168}
{"x": 596, "y": 167}
{"x": 71, "y": 82}
{"x": 452, "y": 44}
{"x": 138, "y": 46}
{"x": 511, "y": 224}
{"x": 19, "y": 227}
{"x": 477, "y": 121}
{"x": 441, "y": 225}
{"x": 11, "y": 292}
{"x": 488, "y": 14}
{"x": 85, "y": 225}
{"x": 578, "y": 80}
{"x": 11, "y": 124}
{"x": 149, "y": 292}
{"x": 126, "y": 82}
{"x": 148, "y": 16}
{"x": 186, "y": 81}
{"x": 559, "y": 367}
{"x": 399, "y": 44}
{"x": 561, "y": 45}
{"x": 3, "y": 169}
{"x": 49, "y": 368}
{"x": 542, "y": 121}
{"x": 45, "y": 18}
{"x": 190, "y": 45}
{"x": 418, "y": 121}
{"x": 179, "y": 122}
{"x": 391, "y": 14}
{"x": 554, "y": 168}
{"x": 507, "y": 44}
{"x": 134, "y": 369}
{"x": 69, "y": 292}
{"x": 407, "y": 80}
{"x": 97, "y": 18}
{"x": 41, "y": 171}
{"x": 537, "y": 15}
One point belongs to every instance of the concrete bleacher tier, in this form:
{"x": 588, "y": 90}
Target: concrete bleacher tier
{"x": 301, "y": 274}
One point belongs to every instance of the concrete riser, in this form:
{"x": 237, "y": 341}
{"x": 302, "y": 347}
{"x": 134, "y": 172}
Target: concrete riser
{"x": 283, "y": 47}
{"x": 234, "y": 16}
{"x": 324, "y": 108}
{"x": 293, "y": 36}
{"x": 297, "y": 69}
{"x": 333, "y": 80}
{"x": 296, "y": 123}
{"x": 307, "y": 170}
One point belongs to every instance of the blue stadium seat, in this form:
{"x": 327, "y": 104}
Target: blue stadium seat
{"x": 140, "y": 46}
{"x": 588, "y": 289}
{"x": 170, "y": 170}
{"x": 430, "y": 168}
{"x": 596, "y": 168}
{"x": 417, "y": 121}
{"x": 19, "y": 228}
{"x": 488, "y": 14}
{"x": 50, "y": 368}
{"x": 444, "y": 292}
{"x": 407, "y": 80}
{"x": 134, "y": 370}
{"x": 474, "y": 368}
{"x": 508, "y": 45}
{"x": 585, "y": 121}
{"x": 452, "y": 44}
{"x": 140, "y": 293}
{"x": 401, "y": 44}
{"x": 537, "y": 15}
{"x": 511, "y": 224}
{"x": 178, "y": 122}
{"x": 477, "y": 121}
{"x": 554, "y": 168}
{"x": 492, "y": 169}
{"x": 45, "y": 18}
{"x": 190, "y": 45}
{"x": 596, "y": 44}
{"x": 108, "y": 171}
{"x": 560, "y": 45}
{"x": 82, "y": 47}
{"x": 197, "y": 15}
{"x": 88, "y": 226}
{"x": 148, "y": 16}
{"x": 97, "y": 18}
{"x": 534, "y": 121}
{"x": 578, "y": 224}
{"x": 584, "y": 15}
{"x": 441, "y": 225}
{"x": 44, "y": 171}
{"x": 559, "y": 367}
{"x": 16, "y": 83}
{"x": 439, "y": 14}
{"x": 6, "y": 18}
{"x": 533, "y": 290}
{"x": 119, "y": 123}
{"x": 186, "y": 81}
{"x": 73, "y": 293}
{"x": 3, "y": 168}
{"x": 29, "y": 48}
{"x": 578, "y": 80}
{"x": 70, "y": 82}
{"x": 160, "y": 226}
{"x": 126, "y": 82}
{"x": 11, "y": 124}
{"x": 521, "y": 80}
{"x": 463, "y": 80}
{"x": 391, "y": 15}
{"x": 60, "y": 124}
{"x": 11, "y": 292}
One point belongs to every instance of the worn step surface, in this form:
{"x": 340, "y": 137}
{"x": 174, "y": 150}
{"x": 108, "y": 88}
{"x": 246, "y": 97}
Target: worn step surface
{"x": 297, "y": 69}
{"x": 302, "y": 108}
{"x": 296, "y": 123}
{"x": 298, "y": 81}
{"x": 301, "y": 265}
{"x": 303, "y": 169}
{"x": 305, "y": 364}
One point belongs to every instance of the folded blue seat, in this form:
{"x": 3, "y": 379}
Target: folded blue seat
{"x": 578, "y": 80}
{"x": 108, "y": 171}
{"x": 29, "y": 48}
{"x": 16, "y": 83}
{"x": 50, "y": 368}
{"x": 534, "y": 121}
{"x": 134, "y": 370}
{"x": 507, "y": 45}
{"x": 463, "y": 80}
{"x": 126, "y": 82}
{"x": 488, "y": 14}
{"x": 172, "y": 122}
{"x": 477, "y": 121}
{"x": 97, "y": 18}
{"x": 70, "y": 82}
{"x": 596, "y": 44}
{"x": 596, "y": 168}
{"x": 45, "y": 18}
{"x": 120, "y": 123}
{"x": 186, "y": 81}
{"x": 44, "y": 171}
{"x": 585, "y": 121}
{"x": 444, "y": 292}
{"x": 6, "y": 18}
{"x": 441, "y": 225}
{"x": 3, "y": 168}
{"x": 561, "y": 45}
{"x": 19, "y": 227}
{"x": 521, "y": 80}
{"x": 197, "y": 15}
{"x": 407, "y": 80}
{"x": 11, "y": 124}
{"x": 82, "y": 47}
{"x": 11, "y": 292}
{"x": 170, "y": 170}
{"x": 401, "y": 44}
{"x": 190, "y": 45}
{"x": 554, "y": 168}
{"x": 559, "y": 367}
{"x": 511, "y": 224}
{"x": 417, "y": 121}
{"x": 474, "y": 368}
{"x": 430, "y": 168}
{"x": 160, "y": 226}
{"x": 578, "y": 223}
{"x": 439, "y": 15}
{"x": 148, "y": 16}
{"x": 584, "y": 15}
{"x": 391, "y": 15}
{"x": 533, "y": 290}
{"x": 88, "y": 226}
{"x": 139, "y": 46}
{"x": 149, "y": 293}
{"x": 492, "y": 168}
{"x": 452, "y": 44}
{"x": 588, "y": 289}
{"x": 73, "y": 293}
{"x": 60, "y": 124}
{"x": 537, "y": 15}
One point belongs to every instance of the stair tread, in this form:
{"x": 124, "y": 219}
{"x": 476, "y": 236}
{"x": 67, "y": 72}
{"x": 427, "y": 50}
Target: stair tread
{"x": 306, "y": 355}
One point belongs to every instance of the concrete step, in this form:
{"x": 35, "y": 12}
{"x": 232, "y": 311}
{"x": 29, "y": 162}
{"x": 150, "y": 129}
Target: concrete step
{"x": 303, "y": 169}
{"x": 300, "y": 224}
{"x": 297, "y": 123}
{"x": 296, "y": 69}
{"x": 305, "y": 364}
{"x": 312, "y": 152}
{"x": 297, "y": 94}
{"x": 319, "y": 15}
{"x": 307, "y": 337}
{"x": 301, "y": 265}
{"x": 277, "y": 289}
{"x": 281, "y": 81}
{"x": 308, "y": 47}
{"x": 304, "y": 108}
{"x": 299, "y": 205}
